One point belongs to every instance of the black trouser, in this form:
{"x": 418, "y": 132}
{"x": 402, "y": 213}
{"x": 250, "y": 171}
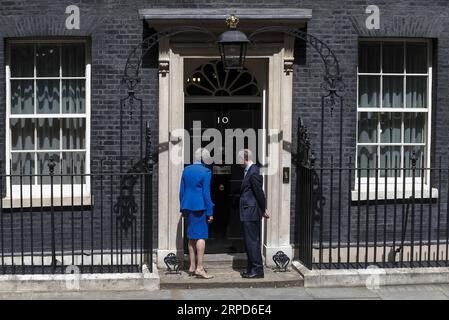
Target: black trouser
{"x": 251, "y": 231}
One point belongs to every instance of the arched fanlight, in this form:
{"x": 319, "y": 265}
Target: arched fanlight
{"x": 232, "y": 45}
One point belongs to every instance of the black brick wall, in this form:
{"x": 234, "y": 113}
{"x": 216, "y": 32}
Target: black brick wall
{"x": 114, "y": 29}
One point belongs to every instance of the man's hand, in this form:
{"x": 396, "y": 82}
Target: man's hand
{"x": 266, "y": 215}
{"x": 210, "y": 219}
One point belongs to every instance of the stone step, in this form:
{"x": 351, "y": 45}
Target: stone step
{"x": 214, "y": 261}
{"x": 229, "y": 277}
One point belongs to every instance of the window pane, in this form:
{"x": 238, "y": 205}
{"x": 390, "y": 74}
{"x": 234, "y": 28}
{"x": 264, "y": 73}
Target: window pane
{"x": 419, "y": 153}
{"x": 73, "y": 96}
{"x": 22, "y": 97}
{"x": 416, "y": 58}
{"x": 390, "y": 158}
{"x": 390, "y": 127}
{"x": 48, "y": 96}
{"x": 22, "y": 134}
{"x": 43, "y": 160}
{"x": 22, "y": 163}
{"x": 366, "y": 158}
{"x": 393, "y": 92}
{"x": 367, "y": 127}
{"x": 47, "y": 60}
{"x": 414, "y": 127}
{"x": 72, "y": 162}
{"x": 416, "y": 92}
{"x": 369, "y": 91}
{"x": 73, "y": 134}
{"x": 48, "y": 134}
{"x": 73, "y": 60}
{"x": 22, "y": 60}
{"x": 369, "y": 57}
{"x": 209, "y": 72}
{"x": 393, "y": 57}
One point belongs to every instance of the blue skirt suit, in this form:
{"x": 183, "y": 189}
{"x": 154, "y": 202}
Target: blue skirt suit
{"x": 195, "y": 200}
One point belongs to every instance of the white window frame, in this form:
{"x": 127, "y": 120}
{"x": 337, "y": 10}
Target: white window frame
{"x": 17, "y": 193}
{"x": 391, "y": 180}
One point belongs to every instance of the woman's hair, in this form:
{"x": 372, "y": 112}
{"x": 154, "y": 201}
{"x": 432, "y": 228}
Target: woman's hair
{"x": 202, "y": 154}
{"x": 245, "y": 154}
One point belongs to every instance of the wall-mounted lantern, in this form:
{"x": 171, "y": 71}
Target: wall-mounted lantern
{"x": 232, "y": 45}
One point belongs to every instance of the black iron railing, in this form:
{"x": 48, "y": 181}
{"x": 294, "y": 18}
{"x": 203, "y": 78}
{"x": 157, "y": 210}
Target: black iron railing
{"x": 91, "y": 222}
{"x": 388, "y": 217}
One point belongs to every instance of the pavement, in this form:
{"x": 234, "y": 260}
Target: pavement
{"x": 410, "y": 292}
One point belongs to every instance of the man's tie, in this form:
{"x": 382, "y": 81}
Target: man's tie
{"x": 246, "y": 171}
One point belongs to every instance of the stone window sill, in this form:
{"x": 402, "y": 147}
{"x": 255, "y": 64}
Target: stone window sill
{"x": 425, "y": 193}
{"x": 16, "y": 203}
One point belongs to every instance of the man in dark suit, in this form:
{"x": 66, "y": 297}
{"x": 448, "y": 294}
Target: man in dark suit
{"x": 252, "y": 209}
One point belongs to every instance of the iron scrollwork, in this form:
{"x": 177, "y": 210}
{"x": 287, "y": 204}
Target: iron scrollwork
{"x": 281, "y": 260}
{"x": 306, "y": 158}
{"x": 148, "y": 161}
{"x": 134, "y": 62}
{"x": 318, "y": 200}
{"x": 305, "y": 154}
{"x": 332, "y": 80}
{"x": 126, "y": 206}
{"x": 173, "y": 263}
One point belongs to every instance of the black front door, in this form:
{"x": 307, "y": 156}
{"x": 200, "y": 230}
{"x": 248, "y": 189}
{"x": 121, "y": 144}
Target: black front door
{"x": 225, "y": 233}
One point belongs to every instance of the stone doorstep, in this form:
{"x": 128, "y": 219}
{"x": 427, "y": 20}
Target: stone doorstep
{"x": 226, "y": 270}
{"x": 86, "y": 282}
{"x": 371, "y": 277}
{"x": 214, "y": 261}
{"x": 228, "y": 277}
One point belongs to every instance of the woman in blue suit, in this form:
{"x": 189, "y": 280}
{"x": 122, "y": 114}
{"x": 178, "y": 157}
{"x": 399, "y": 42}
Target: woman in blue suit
{"x": 197, "y": 208}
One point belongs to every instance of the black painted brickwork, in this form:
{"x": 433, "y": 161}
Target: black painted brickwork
{"x": 114, "y": 29}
